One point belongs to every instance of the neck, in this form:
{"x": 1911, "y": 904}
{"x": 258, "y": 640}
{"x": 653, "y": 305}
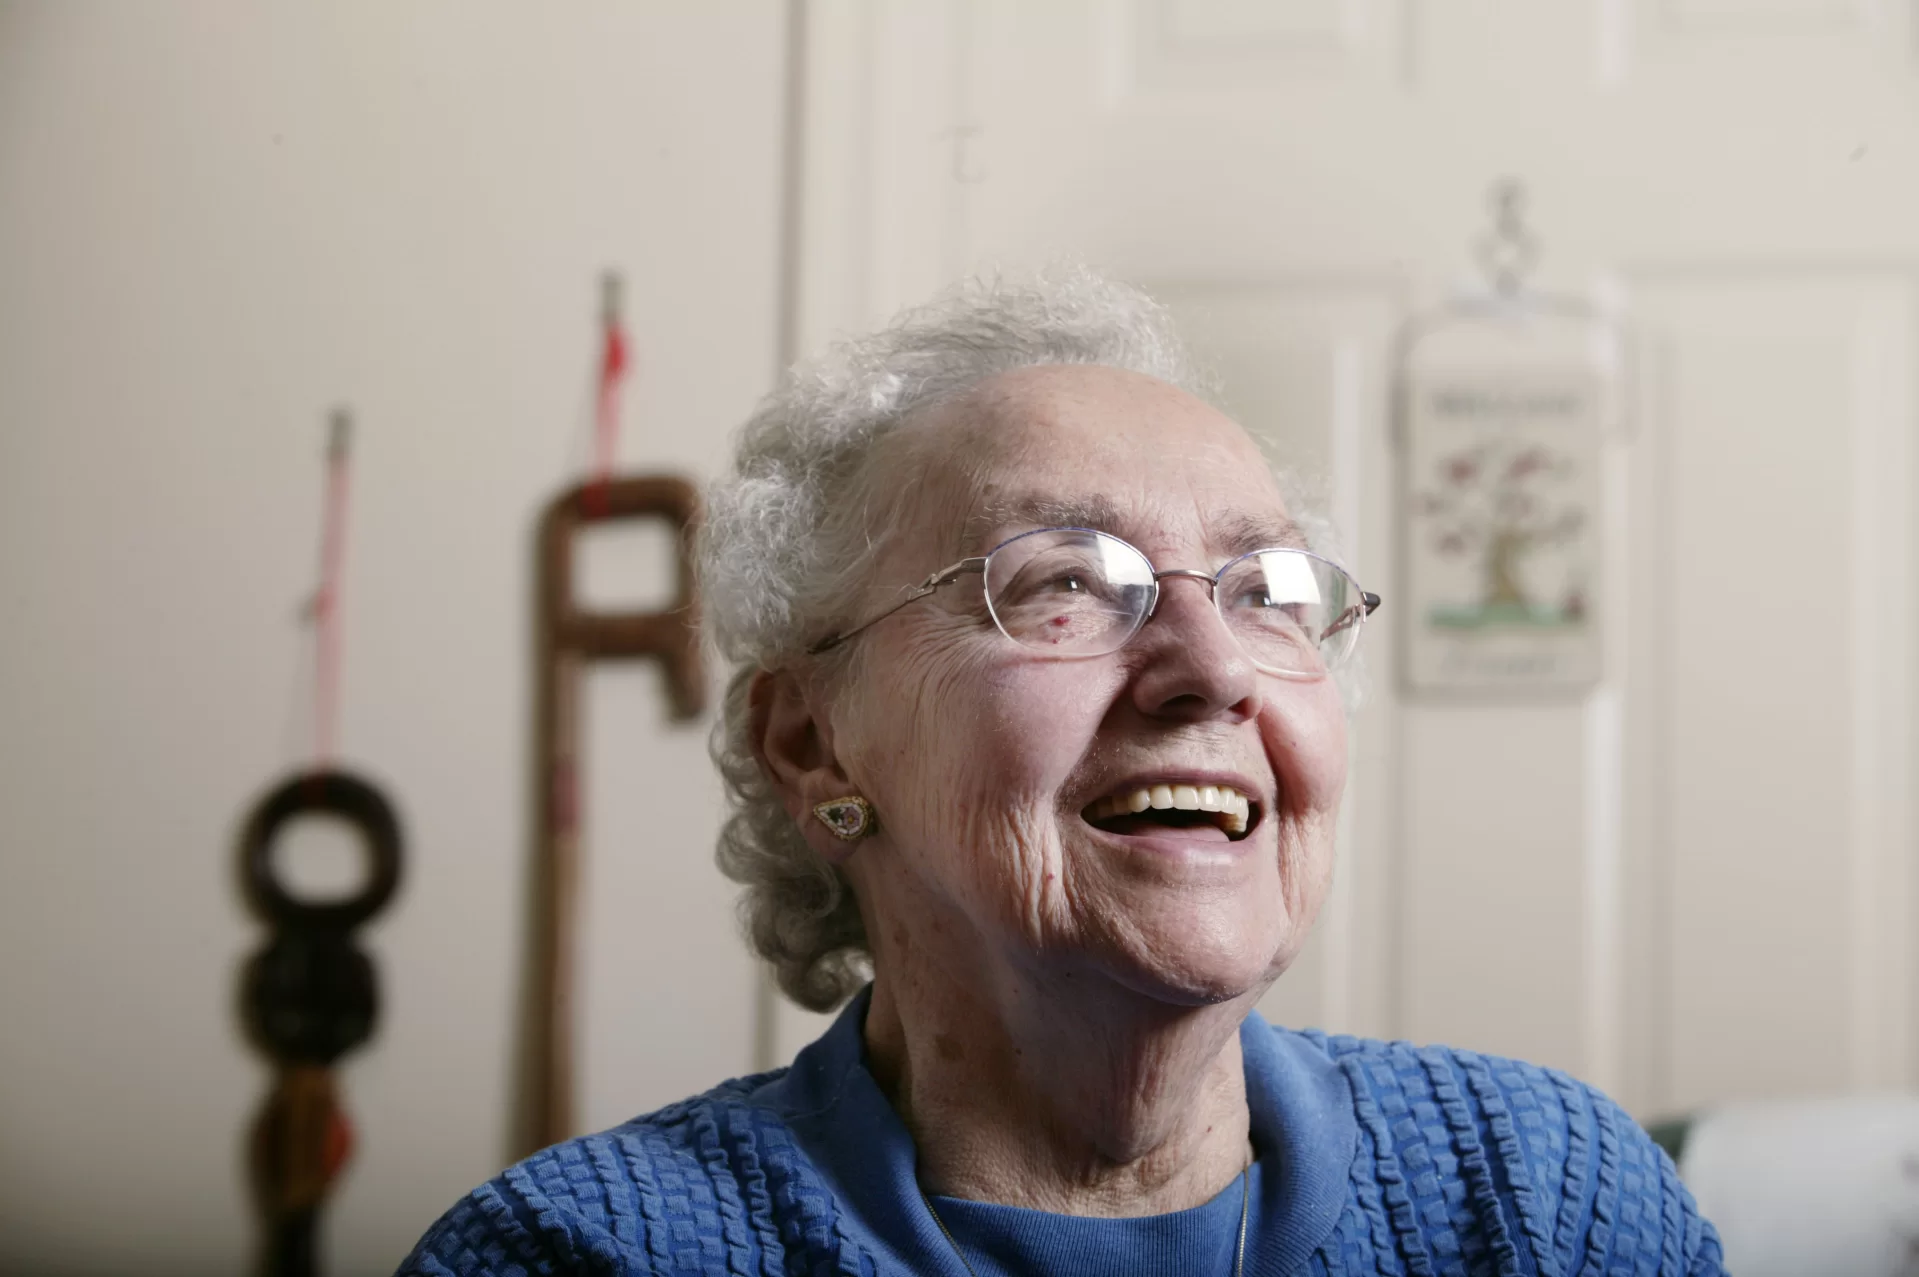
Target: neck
{"x": 1050, "y": 1094}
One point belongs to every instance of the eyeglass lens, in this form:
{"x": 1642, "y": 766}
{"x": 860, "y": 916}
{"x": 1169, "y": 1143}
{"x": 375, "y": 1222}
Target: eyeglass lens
{"x": 1076, "y": 592}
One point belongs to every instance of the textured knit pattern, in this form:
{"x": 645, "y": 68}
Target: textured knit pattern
{"x": 1465, "y": 1165}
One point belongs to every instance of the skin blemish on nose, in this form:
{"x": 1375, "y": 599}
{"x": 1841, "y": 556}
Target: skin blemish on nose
{"x": 949, "y": 1048}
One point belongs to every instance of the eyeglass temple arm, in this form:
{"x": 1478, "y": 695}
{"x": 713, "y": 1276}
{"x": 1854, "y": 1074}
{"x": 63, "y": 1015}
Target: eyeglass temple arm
{"x": 1368, "y": 604}
{"x": 945, "y": 576}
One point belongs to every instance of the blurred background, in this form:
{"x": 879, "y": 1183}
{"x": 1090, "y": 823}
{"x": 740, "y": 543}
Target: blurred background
{"x": 219, "y": 222}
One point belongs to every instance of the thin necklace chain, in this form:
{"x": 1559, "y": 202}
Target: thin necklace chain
{"x": 1239, "y": 1259}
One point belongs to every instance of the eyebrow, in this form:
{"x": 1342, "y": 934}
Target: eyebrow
{"x": 1235, "y": 533}
{"x": 1239, "y": 533}
{"x": 994, "y": 517}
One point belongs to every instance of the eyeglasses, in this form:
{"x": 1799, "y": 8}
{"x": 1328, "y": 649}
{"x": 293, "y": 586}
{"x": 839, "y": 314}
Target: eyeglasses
{"x": 1075, "y": 592}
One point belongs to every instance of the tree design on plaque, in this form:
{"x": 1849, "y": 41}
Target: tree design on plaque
{"x": 1503, "y": 505}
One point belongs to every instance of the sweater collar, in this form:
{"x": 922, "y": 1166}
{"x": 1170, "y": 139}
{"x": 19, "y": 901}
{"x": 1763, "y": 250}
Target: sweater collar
{"x": 1303, "y": 1130}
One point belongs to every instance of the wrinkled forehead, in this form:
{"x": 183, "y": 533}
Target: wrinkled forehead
{"x": 1095, "y": 448}
{"x": 1225, "y": 531}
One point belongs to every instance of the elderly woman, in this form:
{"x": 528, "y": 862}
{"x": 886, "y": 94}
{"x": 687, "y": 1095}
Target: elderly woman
{"x": 1037, "y": 714}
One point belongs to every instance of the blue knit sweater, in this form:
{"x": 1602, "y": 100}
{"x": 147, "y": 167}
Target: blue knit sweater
{"x": 1373, "y": 1158}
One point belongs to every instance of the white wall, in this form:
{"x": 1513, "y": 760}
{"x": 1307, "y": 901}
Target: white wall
{"x": 217, "y": 220}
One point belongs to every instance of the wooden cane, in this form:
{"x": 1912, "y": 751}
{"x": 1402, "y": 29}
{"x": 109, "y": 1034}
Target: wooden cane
{"x": 570, "y": 639}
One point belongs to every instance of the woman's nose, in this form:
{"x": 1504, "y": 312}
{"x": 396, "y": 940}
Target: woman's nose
{"x": 1191, "y": 667}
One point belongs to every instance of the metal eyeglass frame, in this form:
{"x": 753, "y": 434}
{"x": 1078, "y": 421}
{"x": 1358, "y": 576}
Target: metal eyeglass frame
{"x": 1369, "y": 602}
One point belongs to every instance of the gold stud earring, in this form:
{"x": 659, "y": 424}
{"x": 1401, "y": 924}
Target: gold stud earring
{"x": 851, "y": 818}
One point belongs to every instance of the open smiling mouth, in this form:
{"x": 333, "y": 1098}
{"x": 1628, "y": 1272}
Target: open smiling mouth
{"x": 1217, "y": 812}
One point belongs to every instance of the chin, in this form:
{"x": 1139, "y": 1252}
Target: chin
{"x": 1206, "y": 966}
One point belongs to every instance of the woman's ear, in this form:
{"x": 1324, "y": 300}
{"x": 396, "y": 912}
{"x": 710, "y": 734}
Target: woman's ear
{"x": 793, "y": 742}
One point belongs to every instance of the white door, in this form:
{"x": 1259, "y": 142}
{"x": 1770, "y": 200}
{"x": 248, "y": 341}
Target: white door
{"x": 1696, "y": 881}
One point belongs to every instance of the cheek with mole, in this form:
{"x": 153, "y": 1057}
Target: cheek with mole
{"x": 1063, "y": 629}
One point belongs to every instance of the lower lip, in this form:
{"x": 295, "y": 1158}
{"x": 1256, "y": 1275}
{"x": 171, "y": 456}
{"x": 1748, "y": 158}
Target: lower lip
{"x": 1175, "y": 845}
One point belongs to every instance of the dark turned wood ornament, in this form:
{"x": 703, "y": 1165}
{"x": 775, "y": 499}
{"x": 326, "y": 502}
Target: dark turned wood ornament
{"x": 307, "y": 998}
{"x": 568, "y": 640}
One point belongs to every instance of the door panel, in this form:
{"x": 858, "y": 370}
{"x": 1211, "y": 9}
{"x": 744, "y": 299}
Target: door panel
{"x": 1771, "y": 659}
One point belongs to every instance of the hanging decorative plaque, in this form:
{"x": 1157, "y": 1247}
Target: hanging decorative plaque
{"x": 1502, "y": 518}
{"x": 1505, "y": 402}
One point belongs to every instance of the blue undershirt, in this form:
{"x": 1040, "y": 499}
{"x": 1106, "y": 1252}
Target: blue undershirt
{"x": 1006, "y": 1241}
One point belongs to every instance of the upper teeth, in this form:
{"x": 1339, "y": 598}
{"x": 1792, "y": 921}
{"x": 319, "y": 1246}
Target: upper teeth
{"x": 1220, "y": 798}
